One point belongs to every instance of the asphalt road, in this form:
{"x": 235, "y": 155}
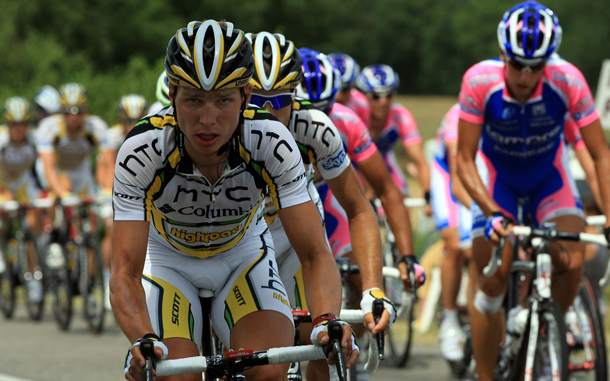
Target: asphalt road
{"x": 38, "y": 351}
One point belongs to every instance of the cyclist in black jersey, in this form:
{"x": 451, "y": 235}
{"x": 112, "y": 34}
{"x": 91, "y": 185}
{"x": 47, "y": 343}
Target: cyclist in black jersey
{"x": 188, "y": 197}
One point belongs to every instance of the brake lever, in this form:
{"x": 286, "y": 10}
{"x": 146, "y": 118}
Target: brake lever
{"x": 377, "y": 311}
{"x": 147, "y": 349}
{"x": 335, "y": 331}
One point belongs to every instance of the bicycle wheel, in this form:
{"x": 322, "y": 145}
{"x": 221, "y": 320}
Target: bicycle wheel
{"x": 59, "y": 283}
{"x": 587, "y": 347}
{"x": 8, "y": 282}
{"x": 34, "y": 306}
{"x": 91, "y": 286}
{"x": 550, "y": 357}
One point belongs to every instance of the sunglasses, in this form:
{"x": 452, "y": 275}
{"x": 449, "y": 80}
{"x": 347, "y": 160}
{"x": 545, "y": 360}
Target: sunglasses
{"x": 522, "y": 67}
{"x": 278, "y": 101}
{"x": 381, "y": 95}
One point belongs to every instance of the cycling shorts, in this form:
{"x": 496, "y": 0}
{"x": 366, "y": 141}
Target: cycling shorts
{"x": 244, "y": 279}
{"x": 447, "y": 211}
{"x": 551, "y": 193}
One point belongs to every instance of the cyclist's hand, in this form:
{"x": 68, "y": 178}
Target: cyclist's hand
{"x": 135, "y": 362}
{"x": 388, "y": 316}
{"x": 497, "y": 226}
{"x": 404, "y": 264}
{"x": 319, "y": 336}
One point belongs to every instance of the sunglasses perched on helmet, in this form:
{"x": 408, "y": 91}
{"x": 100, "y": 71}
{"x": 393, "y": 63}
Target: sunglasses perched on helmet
{"x": 523, "y": 67}
{"x": 277, "y": 101}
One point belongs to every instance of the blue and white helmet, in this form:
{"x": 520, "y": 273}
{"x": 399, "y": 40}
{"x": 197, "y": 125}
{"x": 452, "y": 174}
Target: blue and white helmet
{"x": 529, "y": 33}
{"x": 321, "y": 79}
{"x": 348, "y": 68}
{"x": 377, "y": 78}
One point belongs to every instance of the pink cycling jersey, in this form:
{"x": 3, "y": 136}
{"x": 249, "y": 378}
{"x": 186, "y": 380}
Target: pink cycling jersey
{"x": 522, "y": 144}
{"x": 359, "y": 146}
{"x": 359, "y": 103}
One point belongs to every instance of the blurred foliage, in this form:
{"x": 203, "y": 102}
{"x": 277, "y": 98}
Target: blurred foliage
{"x": 115, "y": 47}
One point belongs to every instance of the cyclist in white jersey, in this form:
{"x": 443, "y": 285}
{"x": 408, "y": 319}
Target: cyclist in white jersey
{"x": 193, "y": 179}
{"x": 320, "y": 144}
{"x": 17, "y": 177}
{"x": 130, "y": 109}
{"x": 66, "y": 142}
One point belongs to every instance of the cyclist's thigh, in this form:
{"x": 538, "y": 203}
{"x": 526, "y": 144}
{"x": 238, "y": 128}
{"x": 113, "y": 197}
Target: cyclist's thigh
{"x": 172, "y": 301}
{"x": 444, "y": 207}
{"x": 253, "y": 285}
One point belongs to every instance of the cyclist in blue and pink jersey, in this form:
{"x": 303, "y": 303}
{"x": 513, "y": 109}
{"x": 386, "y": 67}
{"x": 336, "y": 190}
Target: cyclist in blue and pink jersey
{"x": 319, "y": 85}
{"x": 451, "y": 211}
{"x": 348, "y": 95}
{"x": 391, "y": 122}
{"x": 512, "y": 112}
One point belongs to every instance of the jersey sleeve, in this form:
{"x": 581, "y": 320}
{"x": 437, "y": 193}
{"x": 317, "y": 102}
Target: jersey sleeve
{"x": 45, "y": 134}
{"x": 354, "y": 133}
{"x": 281, "y": 166}
{"x": 476, "y": 83}
{"x": 137, "y": 162}
{"x": 450, "y": 132}
{"x": 581, "y": 106}
{"x": 407, "y": 127}
{"x": 572, "y": 133}
{"x": 97, "y": 128}
{"x": 321, "y": 140}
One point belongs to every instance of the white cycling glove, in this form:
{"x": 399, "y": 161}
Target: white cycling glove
{"x": 156, "y": 342}
{"x": 369, "y": 296}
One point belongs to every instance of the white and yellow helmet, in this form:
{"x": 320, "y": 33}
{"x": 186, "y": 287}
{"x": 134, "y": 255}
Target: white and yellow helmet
{"x": 16, "y": 110}
{"x": 132, "y": 106}
{"x": 282, "y": 59}
{"x": 209, "y": 55}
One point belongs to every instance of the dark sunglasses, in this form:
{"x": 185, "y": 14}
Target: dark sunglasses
{"x": 382, "y": 95}
{"x": 522, "y": 67}
{"x": 278, "y": 101}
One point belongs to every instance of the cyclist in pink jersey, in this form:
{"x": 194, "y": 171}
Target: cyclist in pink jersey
{"x": 347, "y": 94}
{"x": 319, "y": 86}
{"x": 512, "y": 113}
{"x": 390, "y": 122}
{"x": 451, "y": 211}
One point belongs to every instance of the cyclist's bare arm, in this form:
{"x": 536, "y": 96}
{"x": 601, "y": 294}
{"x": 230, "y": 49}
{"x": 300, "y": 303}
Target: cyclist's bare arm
{"x": 416, "y": 153}
{"x": 366, "y": 242}
{"x": 303, "y": 226}
{"x": 595, "y": 141}
{"x": 104, "y": 172}
{"x": 457, "y": 188}
{"x": 127, "y": 297}
{"x": 378, "y": 177}
{"x": 468, "y": 143}
{"x": 49, "y": 161}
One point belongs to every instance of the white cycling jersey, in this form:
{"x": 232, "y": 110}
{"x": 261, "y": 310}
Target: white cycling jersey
{"x": 321, "y": 146}
{"x": 17, "y": 168}
{"x": 73, "y": 154}
{"x": 156, "y": 181}
{"x": 113, "y": 138}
